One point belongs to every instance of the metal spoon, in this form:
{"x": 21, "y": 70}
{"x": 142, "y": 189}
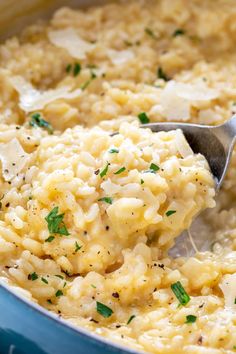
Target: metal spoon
{"x": 216, "y": 144}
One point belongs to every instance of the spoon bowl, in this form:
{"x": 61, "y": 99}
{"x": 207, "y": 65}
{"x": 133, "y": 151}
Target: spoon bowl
{"x": 214, "y": 142}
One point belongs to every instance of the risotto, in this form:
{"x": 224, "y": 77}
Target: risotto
{"x": 87, "y": 217}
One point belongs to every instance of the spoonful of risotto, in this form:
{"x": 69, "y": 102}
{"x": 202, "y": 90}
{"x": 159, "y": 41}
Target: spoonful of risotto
{"x": 214, "y": 142}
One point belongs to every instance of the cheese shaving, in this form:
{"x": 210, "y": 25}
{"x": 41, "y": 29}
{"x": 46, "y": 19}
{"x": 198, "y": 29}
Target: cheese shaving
{"x": 69, "y": 40}
{"x": 120, "y": 57}
{"x": 13, "y": 159}
{"x": 228, "y": 287}
{"x": 33, "y": 100}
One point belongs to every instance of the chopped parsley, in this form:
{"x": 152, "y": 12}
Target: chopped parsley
{"x": 170, "y": 212}
{"x": 180, "y": 293}
{"x": 49, "y": 301}
{"x": 191, "y": 318}
{"x": 142, "y": 181}
{"x": 130, "y": 319}
{"x": 178, "y": 32}
{"x": 55, "y": 223}
{"x": 107, "y": 200}
{"x": 59, "y": 293}
{"x": 143, "y": 118}
{"x": 234, "y": 347}
{"x": 103, "y": 310}
{"x": 161, "y": 74}
{"x": 59, "y": 276}
{"x": 104, "y": 170}
{"x": 88, "y": 82}
{"x": 76, "y": 69}
{"x": 93, "y": 286}
{"x": 113, "y": 151}
{"x": 68, "y": 68}
{"x": 50, "y": 239}
{"x": 44, "y": 280}
{"x": 33, "y": 276}
{"x": 38, "y": 121}
{"x": 154, "y": 167}
{"x": 150, "y": 32}
{"x": 122, "y": 169}
{"x": 77, "y": 246}
{"x": 235, "y": 300}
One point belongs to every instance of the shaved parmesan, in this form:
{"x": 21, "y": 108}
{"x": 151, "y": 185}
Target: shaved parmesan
{"x": 13, "y": 159}
{"x": 120, "y": 57}
{"x": 174, "y": 107}
{"x": 228, "y": 287}
{"x": 70, "y": 40}
{"x": 32, "y": 99}
{"x": 182, "y": 144}
{"x": 177, "y": 98}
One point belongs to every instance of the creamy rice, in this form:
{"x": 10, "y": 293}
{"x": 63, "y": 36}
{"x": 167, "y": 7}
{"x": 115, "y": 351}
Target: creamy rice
{"x": 87, "y": 218}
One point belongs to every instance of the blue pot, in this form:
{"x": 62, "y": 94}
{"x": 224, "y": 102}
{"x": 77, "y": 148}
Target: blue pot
{"x": 26, "y": 328}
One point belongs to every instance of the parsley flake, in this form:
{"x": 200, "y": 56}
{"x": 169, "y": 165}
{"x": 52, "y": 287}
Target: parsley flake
{"x": 77, "y": 69}
{"x": 191, "y": 318}
{"x": 68, "y": 68}
{"x": 59, "y": 276}
{"x": 55, "y": 223}
{"x": 93, "y": 286}
{"x": 154, "y": 167}
{"x": 180, "y": 293}
{"x": 104, "y": 170}
{"x": 44, "y": 280}
{"x": 88, "y": 82}
{"x": 59, "y": 293}
{"x": 122, "y": 169}
{"x": 113, "y": 151}
{"x": 142, "y": 181}
{"x": 162, "y": 75}
{"x": 33, "y": 276}
{"x": 143, "y": 118}
{"x": 107, "y": 200}
{"x": 130, "y": 319}
{"x": 103, "y": 310}
{"x": 170, "y": 212}
{"x": 178, "y": 32}
{"x": 150, "y": 32}
{"x": 77, "y": 246}
{"x": 50, "y": 239}
{"x": 38, "y": 121}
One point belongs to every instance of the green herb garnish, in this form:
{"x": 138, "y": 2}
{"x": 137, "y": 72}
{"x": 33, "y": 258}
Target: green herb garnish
{"x": 44, "y": 280}
{"x": 130, "y": 319}
{"x": 142, "y": 181}
{"x": 88, "y": 82}
{"x": 154, "y": 167}
{"x": 59, "y": 293}
{"x": 50, "y": 239}
{"x": 170, "y": 212}
{"x": 68, "y": 68}
{"x": 113, "y": 151}
{"x": 49, "y": 301}
{"x": 191, "y": 319}
{"x": 104, "y": 310}
{"x": 122, "y": 169}
{"x": 93, "y": 286}
{"x": 143, "y": 118}
{"x": 161, "y": 74}
{"x": 107, "y": 200}
{"x": 59, "y": 276}
{"x": 33, "y": 276}
{"x": 76, "y": 69}
{"x": 104, "y": 171}
{"x": 55, "y": 223}
{"x": 178, "y": 32}
{"x": 38, "y": 121}
{"x": 150, "y": 32}
{"x": 180, "y": 293}
{"x": 77, "y": 246}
